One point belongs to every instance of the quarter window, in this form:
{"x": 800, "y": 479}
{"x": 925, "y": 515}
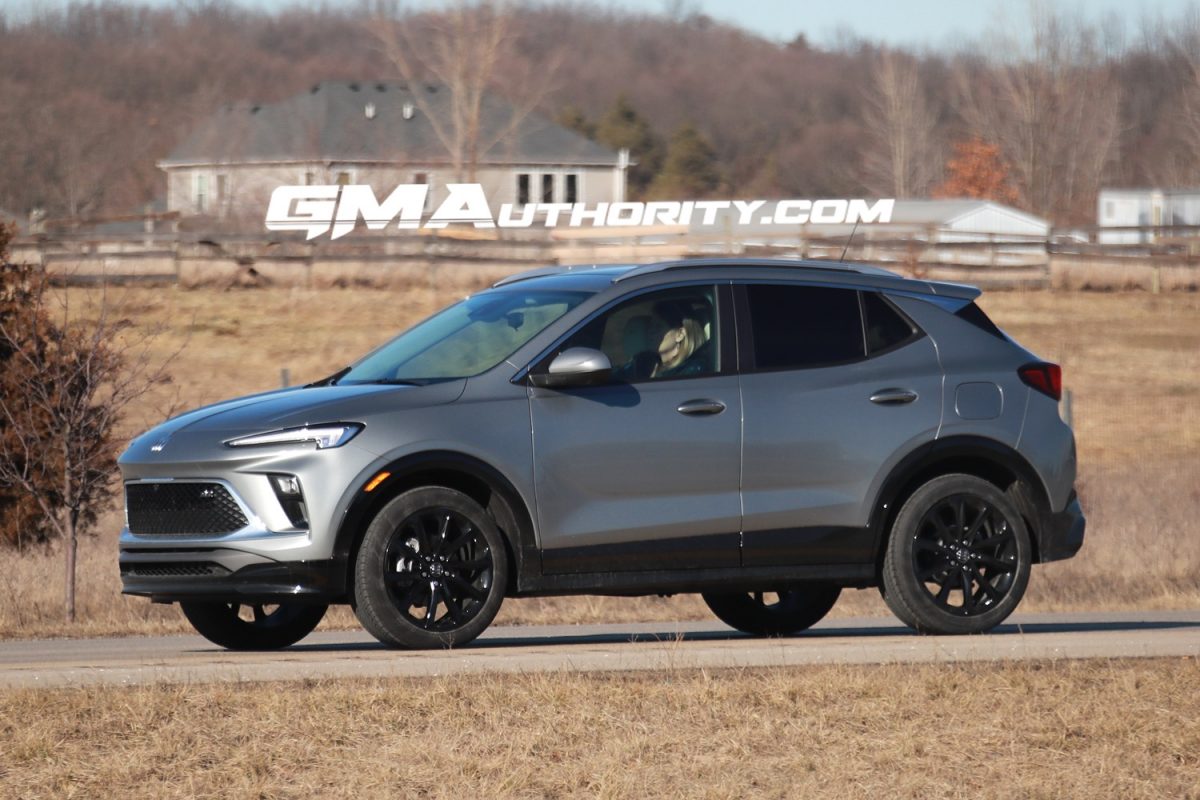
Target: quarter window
{"x": 803, "y": 326}
{"x": 886, "y": 327}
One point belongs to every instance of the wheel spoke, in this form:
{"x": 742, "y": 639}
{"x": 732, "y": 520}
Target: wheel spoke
{"x": 997, "y": 564}
{"x": 459, "y": 541}
{"x": 462, "y": 586}
{"x": 473, "y": 564}
{"x": 944, "y": 592}
{"x": 931, "y": 570}
{"x": 967, "y": 592}
{"x": 926, "y": 546}
{"x": 431, "y": 611}
{"x": 409, "y": 598}
{"x": 454, "y": 607}
{"x": 960, "y": 516}
{"x": 994, "y": 542}
{"x": 985, "y": 587}
{"x": 936, "y": 518}
{"x": 400, "y": 579}
{"x": 973, "y": 531}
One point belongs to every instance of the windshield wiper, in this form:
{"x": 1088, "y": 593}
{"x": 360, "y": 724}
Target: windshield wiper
{"x": 400, "y": 382}
{"x": 329, "y": 381}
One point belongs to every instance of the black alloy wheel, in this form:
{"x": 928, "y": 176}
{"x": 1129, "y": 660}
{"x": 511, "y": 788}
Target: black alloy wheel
{"x": 253, "y": 626}
{"x": 965, "y": 555}
{"x": 431, "y": 570}
{"x": 440, "y": 569}
{"x": 777, "y": 613}
{"x": 958, "y": 559}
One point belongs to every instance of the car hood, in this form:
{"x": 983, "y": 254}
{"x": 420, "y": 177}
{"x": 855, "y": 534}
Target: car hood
{"x": 287, "y": 408}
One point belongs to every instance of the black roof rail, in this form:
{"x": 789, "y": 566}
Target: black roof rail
{"x": 692, "y": 263}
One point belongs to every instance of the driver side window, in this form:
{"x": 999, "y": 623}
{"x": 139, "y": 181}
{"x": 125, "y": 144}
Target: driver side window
{"x": 671, "y": 333}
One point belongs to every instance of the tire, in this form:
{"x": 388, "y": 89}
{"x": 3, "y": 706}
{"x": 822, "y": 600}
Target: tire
{"x": 958, "y": 558}
{"x": 795, "y": 609}
{"x": 270, "y": 627}
{"x": 435, "y": 550}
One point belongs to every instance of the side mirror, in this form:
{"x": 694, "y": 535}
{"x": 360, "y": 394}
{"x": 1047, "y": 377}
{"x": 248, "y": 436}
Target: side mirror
{"x": 578, "y": 366}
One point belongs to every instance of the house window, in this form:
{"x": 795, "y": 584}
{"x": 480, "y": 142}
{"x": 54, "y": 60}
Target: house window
{"x": 222, "y": 190}
{"x": 345, "y": 178}
{"x": 425, "y": 179}
{"x": 547, "y": 188}
{"x": 571, "y": 188}
{"x": 523, "y": 181}
{"x": 200, "y": 192}
{"x": 310, "y": 177}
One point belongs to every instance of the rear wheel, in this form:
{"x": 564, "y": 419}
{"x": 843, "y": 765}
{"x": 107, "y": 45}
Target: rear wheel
{"x": 431, "y": 570}
{"x": 958, "y": 559}
{"x": 253, "y": 626}
{"x": 774, "y": 613}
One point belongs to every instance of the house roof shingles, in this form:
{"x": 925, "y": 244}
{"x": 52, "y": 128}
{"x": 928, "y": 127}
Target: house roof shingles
{"x": 329, "y": 123}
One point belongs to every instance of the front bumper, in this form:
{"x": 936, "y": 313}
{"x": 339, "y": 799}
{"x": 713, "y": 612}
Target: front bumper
{"x": 228, "y": 576}
{"x": 1061, "y": 534}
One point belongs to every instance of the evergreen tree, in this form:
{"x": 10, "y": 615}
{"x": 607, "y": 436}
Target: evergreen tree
{"x": 623, "y": 127}
{"x": 690, "y": 170}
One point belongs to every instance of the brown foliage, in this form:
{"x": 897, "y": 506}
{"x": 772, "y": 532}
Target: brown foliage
{"x": 21, "y": 521}
{"x": 65, "y": 385}
{"x": 976, "y": 171}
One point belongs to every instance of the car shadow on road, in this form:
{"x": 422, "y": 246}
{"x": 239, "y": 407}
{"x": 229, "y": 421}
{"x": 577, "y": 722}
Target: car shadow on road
{"x": 498, "y": 638}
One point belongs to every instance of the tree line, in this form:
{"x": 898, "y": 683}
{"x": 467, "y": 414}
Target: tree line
{"x": 94, "y": 94}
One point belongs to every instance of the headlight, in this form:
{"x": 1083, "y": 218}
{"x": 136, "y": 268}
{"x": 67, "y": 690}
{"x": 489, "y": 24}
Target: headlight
{"x": 324, "y": 436}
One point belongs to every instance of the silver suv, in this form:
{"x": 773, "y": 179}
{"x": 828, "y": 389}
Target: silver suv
{"x": 762, "y": 432}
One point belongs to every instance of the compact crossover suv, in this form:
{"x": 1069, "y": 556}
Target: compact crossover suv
{"x": 765, "y": 433}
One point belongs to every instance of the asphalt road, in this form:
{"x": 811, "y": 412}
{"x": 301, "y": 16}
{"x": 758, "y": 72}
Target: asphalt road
{"x": 637, "y": 646}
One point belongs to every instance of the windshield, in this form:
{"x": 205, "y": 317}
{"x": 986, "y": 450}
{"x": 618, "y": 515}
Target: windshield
{"x": 465, "y": 339}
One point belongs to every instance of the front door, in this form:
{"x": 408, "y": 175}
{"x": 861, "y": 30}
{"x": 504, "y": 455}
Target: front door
{"x": 643, "y": 473}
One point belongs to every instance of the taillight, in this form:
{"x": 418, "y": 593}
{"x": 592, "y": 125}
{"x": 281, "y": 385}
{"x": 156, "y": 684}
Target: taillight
{"x": 1043, "y": 376}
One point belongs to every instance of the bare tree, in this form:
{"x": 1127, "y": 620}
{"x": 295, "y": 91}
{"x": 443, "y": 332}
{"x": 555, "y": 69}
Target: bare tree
{"x": 462, "y": 49}
{"x": 67, "y": 383}
{"x": 1053, "y": 108}
{"x": 904, "y": 157}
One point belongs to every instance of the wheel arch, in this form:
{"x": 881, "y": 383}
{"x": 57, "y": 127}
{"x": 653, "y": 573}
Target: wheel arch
{"x": 989, "y": 459}
{"x": 453, "y": 470}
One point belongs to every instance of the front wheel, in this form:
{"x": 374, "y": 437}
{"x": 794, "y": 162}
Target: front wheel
{"x": 431, "y": 570}
{"x": 774, "y": 613}
{"x": 958, "y": 559}
{"x": 253, "y": 626}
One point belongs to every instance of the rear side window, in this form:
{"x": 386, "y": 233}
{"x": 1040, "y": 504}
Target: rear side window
{"x": 803, "y": 326}
{"x": 886, "y": 327}
{"x": 974, "y": 315}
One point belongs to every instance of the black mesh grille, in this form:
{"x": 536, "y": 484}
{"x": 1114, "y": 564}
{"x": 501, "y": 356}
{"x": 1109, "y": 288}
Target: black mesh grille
{"x": 183, "y": 569}
{"x": 178, "y": 509}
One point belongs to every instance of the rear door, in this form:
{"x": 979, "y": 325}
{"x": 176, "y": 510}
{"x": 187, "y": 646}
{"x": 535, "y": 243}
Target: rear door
{"x": 837, "y": 386}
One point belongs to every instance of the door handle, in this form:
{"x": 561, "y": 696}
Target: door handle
{"x": 700, "y": 408}
{"x": 893, "y": 397}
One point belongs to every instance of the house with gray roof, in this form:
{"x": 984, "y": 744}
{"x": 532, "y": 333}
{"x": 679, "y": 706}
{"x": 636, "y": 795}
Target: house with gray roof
{"x": 380, "y": 134}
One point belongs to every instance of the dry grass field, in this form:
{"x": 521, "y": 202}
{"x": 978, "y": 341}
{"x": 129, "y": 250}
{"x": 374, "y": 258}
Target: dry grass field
{"x": 1131, "y": 359}
{"x": 974, "y": 730}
